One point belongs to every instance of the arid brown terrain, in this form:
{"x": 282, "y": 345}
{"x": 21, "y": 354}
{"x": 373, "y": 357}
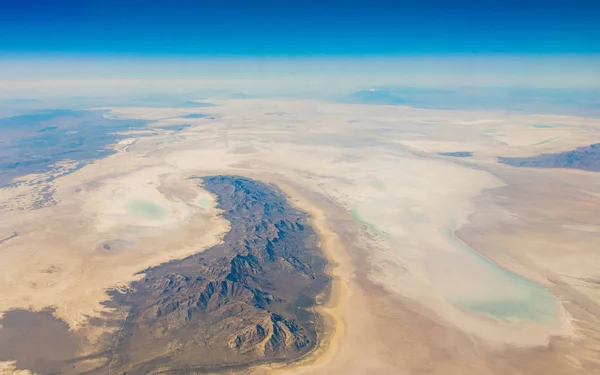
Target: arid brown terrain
{"x": 441, "y": 260}
{"x": 244, "y": 301}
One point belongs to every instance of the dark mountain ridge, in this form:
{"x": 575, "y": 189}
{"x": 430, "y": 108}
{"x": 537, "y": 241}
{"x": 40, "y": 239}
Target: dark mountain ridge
{"x": 248, "y": 299}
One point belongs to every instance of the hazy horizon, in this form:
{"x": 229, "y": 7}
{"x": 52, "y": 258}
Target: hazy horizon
{"x": 44, "y": 76}
{"x": 313, "y": 48}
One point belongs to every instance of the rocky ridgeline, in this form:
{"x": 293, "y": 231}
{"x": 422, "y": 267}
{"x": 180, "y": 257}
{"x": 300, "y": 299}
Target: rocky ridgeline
{"x": 248, "y": 299}
{"x": 586, "y": 158}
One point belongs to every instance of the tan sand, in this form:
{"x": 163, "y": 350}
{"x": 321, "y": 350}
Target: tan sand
{"x": 73, "y": 272}
{"x": 8, "y": 368}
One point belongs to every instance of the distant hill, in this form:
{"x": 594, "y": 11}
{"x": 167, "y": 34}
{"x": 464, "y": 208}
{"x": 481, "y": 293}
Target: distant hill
{"x": 193, "y": 115}
{"x": 458, "y": 154}
{"x": 193, "y": 104}
{"x": 33, "y": 143}
{"x": 374, "y": 96}
{"x": 36, "y": 120}
{"x": 579, "y": 102}
{"x": 586, "y": 158}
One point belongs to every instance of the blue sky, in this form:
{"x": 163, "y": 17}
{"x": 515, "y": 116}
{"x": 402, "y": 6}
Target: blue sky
{"x": 299, "y": 28}
{"x": 77, "y": 47}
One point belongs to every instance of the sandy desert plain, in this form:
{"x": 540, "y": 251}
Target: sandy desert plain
{"x": 439, "y": 264}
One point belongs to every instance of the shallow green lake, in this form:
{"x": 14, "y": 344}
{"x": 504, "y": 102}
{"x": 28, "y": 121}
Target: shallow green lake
{"x": 530, "y": 300}
{"x": 146, "y": 209}
{"x": 204, "y": 202}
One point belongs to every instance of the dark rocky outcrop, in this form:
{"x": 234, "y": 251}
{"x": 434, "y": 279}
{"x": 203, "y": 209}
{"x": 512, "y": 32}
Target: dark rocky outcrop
{"x": 586, "y": 158}
{"x": 457, "y": 154}
{"x": 248, "y": 299}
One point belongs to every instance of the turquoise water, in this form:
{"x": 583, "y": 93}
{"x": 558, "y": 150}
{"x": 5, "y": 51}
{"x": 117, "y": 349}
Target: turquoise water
{"x": 500, "y": 293}
{"x": 204, "y": 202}
{"x": 371, "y": 227}
{"x": 146, "y": 209}
{"x": 531, "y": 301}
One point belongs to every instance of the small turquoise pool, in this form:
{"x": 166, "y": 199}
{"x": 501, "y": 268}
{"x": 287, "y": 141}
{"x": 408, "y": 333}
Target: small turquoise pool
{"x": 146, "y": 209}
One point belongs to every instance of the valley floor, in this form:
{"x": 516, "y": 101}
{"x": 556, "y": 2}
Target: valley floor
{"x": 442, "y": 259}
